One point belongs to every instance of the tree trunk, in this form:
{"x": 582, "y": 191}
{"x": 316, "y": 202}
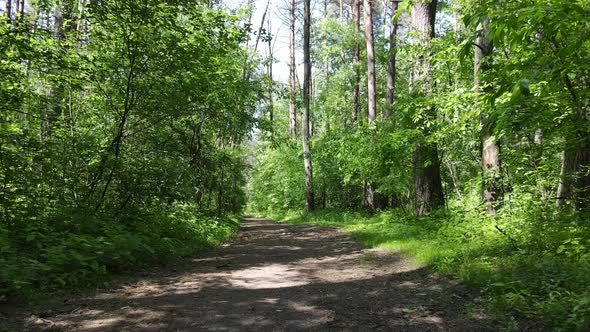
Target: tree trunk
{"x": 292, "y": 89}
{"x": 309, "y": 199}
{"x": 259, "y": 34}
{"x": 356, "y": 59}
{"x": 270, "y": 83}
{"x": 427, "y": 179}
{"x": 9, "y": 9}
{"x": 429, "y": 192}
{"x": 490, "y": 165}
{"x": 371, "y": 89}
{"x": 391, "y": 61}
{"x": 371, "y": 83}
{"x": 490, "y": 147}
{"x": 574, "y": 183}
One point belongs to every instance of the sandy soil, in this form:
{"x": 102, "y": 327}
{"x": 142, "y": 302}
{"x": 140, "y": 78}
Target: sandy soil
{"x": 273, "y": 277}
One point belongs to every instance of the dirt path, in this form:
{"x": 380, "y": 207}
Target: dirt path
{"x": 276, "y": 277}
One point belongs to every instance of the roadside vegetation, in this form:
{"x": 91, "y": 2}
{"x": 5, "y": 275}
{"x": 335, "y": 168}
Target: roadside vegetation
{"x": 121, "y": 131}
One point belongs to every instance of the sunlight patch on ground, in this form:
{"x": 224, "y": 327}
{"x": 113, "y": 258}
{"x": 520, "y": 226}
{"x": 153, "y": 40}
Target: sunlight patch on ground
{"x": 269, "y": 276}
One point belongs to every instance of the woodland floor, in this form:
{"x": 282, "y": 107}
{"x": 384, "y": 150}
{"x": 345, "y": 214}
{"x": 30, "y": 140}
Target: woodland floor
{"x": 271, "y": 277}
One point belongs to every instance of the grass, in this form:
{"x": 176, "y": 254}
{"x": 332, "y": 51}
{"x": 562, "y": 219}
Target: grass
{"x": 529, "y": 267}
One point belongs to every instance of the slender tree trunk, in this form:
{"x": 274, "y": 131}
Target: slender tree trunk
{"x": 259, "y": 34}
{"x": 490, "y": 147}
{"x": 356, "y": 60}
{"x": 371, "y": 82}
{"x": 427, "y": 179}
{"x": 292, "y": 86}
{"x": 270, "y": 83}
{"x": 391, "y": 60}
{"x": 220, "y": 195}
{"x": 249, "y": 24}
{"x": 9, "y": 10}
{"x": 309, "y": 199}
{"x": 371, "y": 89}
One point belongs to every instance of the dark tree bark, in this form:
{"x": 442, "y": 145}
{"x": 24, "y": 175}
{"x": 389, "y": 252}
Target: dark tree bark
{"x": 391, "y": 60}
{"x": 9, "y": 10}
{"x": 427, "y": 179}
{"x": 292, "y": 86}
{"x": 356, "y": 59}
{"x": 574, "y": 183}
{"x": 307, "y": 164}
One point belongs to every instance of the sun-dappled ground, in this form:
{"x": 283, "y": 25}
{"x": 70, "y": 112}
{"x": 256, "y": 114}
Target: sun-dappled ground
{"x": 273, "y": 277}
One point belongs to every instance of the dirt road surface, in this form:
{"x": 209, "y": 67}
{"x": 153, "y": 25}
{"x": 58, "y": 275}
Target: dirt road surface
{"x": 275, "y": 277}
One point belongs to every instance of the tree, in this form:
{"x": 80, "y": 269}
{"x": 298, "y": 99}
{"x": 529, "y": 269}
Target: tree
{"x": 574, "y": 179}
{"x": 292, "y": 73}
{"x": 427, "y": 178}
{"x": 307, "y": 164}
{"x": 371, "y": 82}
{"x": 391, "y": 59}
{"x": 270, "y": 80}
{"x": 9, "y": 9}
{"x": 371, "y": 88}
{"x": 356, "y": 59}
{"x": 490, "y": 147}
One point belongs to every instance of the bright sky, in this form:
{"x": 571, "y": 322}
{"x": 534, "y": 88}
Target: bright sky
{"x": 278, "y": 14}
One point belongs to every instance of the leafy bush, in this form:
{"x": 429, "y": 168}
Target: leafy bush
{"x": 76, "y": 250}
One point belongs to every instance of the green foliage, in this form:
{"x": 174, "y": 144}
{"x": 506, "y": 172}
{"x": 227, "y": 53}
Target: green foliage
{"x": 120, "y": 137}
{"x": 76, "y": 250}
{"x": 277, "y": 180}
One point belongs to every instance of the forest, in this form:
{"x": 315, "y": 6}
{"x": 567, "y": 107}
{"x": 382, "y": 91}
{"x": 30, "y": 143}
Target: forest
{"x": 455, "y": 132}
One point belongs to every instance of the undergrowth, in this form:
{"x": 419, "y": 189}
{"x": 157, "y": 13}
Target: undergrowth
{"x": 75, "y": 251}
{"x": 529, "y": 265}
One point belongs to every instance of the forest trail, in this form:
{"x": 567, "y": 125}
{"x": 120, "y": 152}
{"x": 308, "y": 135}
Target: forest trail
{"x": 276, "y": 277}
